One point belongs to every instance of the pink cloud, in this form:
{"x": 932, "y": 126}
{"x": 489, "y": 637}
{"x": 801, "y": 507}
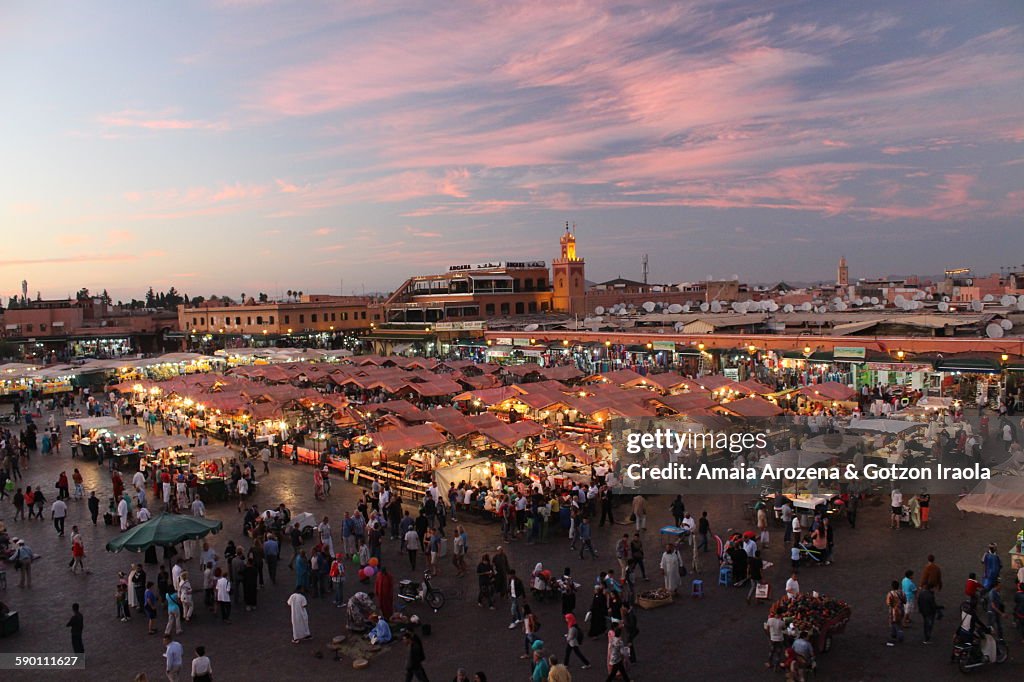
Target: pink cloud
{"x": 132, "y": 118}
{"x": 323, "y": 231}
{"x": 115, "y": 237}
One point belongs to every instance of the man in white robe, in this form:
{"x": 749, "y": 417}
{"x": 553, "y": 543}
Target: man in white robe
{"x": 670, "y": 563}
{"x": 300, "y": 619}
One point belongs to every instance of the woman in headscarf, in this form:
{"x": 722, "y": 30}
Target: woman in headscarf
{"x": 598, "y": 614}
{"x": 384, "y": 591}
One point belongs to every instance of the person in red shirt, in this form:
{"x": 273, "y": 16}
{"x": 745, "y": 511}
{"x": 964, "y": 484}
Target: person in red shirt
{"x": 973, "y": 588}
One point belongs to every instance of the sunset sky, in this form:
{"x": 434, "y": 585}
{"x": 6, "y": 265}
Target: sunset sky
{"x": 246, "y": 145}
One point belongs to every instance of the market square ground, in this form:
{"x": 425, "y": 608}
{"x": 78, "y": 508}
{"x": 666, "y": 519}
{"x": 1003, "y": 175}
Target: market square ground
{"x": 719, "y": 636}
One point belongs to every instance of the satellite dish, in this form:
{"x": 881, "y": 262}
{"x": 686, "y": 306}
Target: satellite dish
{"x": 989, "y": 298}
{"x": 943, "y": 307}
{"x": 806, "y": 307}
{"x": 716, "y": 307}
{"x": 1008, "y": 301}
{"x": 534, "y": 327}
{"x": 704, "y": 307}
{"x": 840, "y": 306}
{"x": 686, "y": 308}
{"x": 977, "y": 306}
{"x": 994, "y": 331}
{"x": 918, "y": 295}
{"x": 837, "y": 300}
{"x": 788, "y": 308}
{"x": 1020, "y": 303}
{"x": 599, "y": 310}
{"x": 1006, "y": 325}
{"x": 675, "y": 308}
{"x": 945, "y": 299}
{"x": 679, "y": 326}
{"x": 899, "y": 300}
{"x": 772, "y": 306}
{"x": 649, "y": 307}
{"x": 874, "y": 300}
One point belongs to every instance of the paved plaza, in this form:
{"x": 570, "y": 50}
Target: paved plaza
{"x": 719, "y": 636}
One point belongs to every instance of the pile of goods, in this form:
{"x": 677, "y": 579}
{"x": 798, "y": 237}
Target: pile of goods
{"x": 652, "y": 599}
{"x": 810, "y": 613}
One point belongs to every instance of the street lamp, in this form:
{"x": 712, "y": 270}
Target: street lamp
{"x": 900, "y": 354}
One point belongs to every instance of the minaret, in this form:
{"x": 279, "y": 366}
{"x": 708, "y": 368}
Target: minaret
{"x": 568, "y": 277}
{"x": 843, "y": 278}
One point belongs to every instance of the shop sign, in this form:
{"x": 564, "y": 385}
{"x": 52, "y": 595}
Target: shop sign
{"x": 503, "y": 341}
{"x": 664, "y": 345}
{"x": 732, "y": 373}
{"x": 898, "y": 367}
{"x": 473, "y": 325}
{"x": 848, "y": 352}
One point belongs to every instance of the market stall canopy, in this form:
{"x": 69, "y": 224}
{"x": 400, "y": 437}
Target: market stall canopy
{"x": 490, "y": 396}
{"x": 686, "y": 403}
{"x": 830, "y": 390}
{"x": 395, "y": 441}
{"x": 400, "y": 408}
{"x": 452, "y": 422}
{"x": 667, "y": 381}
{"x": 162, "y": 531}
{"x": 437, "y": 387}
{"x": 752, "y": 407}
{"x": 87, "y": 423}
{"x": 567, "y": 447}
{"x": 561, "y": 373}
{"x": 756, "y": 387}
{"x": 887, "y": 426}
{"x": 618, "y": 377}
{"x": 205, "y": 452}
{"x": 479, "y": 381}
{"x": 716, "y": 383}
{"x": 998, "y": 496}
{"x": 832, "y": 443}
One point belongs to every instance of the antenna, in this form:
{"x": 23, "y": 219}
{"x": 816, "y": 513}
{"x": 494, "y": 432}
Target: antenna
{"x": 646, "y": 269}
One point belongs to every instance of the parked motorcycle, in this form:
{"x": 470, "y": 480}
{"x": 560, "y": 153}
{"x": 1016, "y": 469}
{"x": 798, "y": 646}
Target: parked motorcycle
{"x": 411, "y": 591}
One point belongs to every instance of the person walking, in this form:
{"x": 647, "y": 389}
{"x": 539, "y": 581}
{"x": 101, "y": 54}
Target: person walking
{"x": 485, "y": 582}
{"x": 94, "y": 506}
{"x": 202, "y": 669}
{"x": 222, "y": 591}
{"x": 173, "y": 613}
{"x": 412, "y": 545}
{"x": 149, "y": 604}
{"x": 617, "y": 653}
{"x": 586, "y": 540}
{"x": 58, "y": 513}
{"x": 704, "y": 531}
{"x": 77, "y": 625}
{"x": 640, "y": 512}
{"x": 517, "y": 596}
{"x": 894, "y": 603}
{"x": 186, "y": 597}
{"x": 77, "y": 551}
{"x": 299, "y": 616}
{"x": 271, "y": 555}
{"x": 573, "y": 635}
{"x": 928, "y": 609}
{"x": 414, "y": 665}
{"x": 173, "y": 658}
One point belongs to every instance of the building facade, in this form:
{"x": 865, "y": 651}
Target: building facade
{"x": 312, "y": 313}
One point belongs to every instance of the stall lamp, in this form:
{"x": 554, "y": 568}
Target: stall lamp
{"x": 533, "y": 341}
{"x": 1004, "y": 357}
{"x": 489, "y": 342}
{"x": 807, "y": 350}
{"x": 650, "y": 346}
{"x": 565, "y": 342}
{"x": 607, "y": 344}
{"x": 700, "y": 346}
{"x": 289, "y": 330}
{"x": 900, "y": 354}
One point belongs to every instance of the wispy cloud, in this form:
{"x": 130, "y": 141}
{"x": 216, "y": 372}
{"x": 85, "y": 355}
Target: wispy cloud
{"x": 148, "y": 120}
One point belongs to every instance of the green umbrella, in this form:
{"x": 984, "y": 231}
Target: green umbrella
{"x": 163, "y": 530}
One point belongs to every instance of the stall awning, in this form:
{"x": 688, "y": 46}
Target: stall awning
{"x": 974, "y": 366}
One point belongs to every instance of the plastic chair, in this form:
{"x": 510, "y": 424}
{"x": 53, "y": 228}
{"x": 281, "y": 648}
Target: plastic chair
{"x": 697, "y": 589}
{"x": 725, "y": 576}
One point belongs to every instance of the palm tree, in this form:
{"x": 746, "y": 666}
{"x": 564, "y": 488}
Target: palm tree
{"x": 289, "y": 292}
{"x": 298, "y": 294}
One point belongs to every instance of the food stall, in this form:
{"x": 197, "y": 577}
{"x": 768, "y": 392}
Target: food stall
{"x": 819, "y": 616}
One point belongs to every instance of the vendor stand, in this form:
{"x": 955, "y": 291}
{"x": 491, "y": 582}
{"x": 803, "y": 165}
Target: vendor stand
{"x": 818, "y": 616}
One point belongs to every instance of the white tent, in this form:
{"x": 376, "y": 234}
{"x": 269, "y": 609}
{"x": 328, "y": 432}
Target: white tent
{"x": 1014, "y": 466}
{"x": 793, "y": 458}
{"x": 94, "y": 422}
{"x": 1000, "y": 496}
{"x": 471, "y": 471}
{"x": 887, "y": 426}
